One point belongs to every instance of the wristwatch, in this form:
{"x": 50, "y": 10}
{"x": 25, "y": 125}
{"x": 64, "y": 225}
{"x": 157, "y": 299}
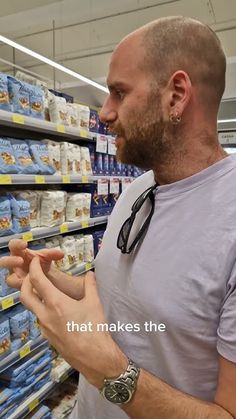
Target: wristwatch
{"x": 120, "y": 390}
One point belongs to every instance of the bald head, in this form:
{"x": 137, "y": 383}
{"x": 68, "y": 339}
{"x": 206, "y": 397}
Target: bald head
{"x": 179, "y": 43}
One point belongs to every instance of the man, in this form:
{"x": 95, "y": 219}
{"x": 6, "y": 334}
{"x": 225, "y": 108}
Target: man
{"x": 173, "y": 263}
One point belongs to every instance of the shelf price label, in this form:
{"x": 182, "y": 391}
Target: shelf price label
{"x": 88, "y": 266}
{"x": 25, "y": 351}
{"x": 27, "y": 236}
{"x": 61, "y": 128}
{"x": 84, "y": 179}
{"x": 5, "y": 179}
{"x": 39, "y": 179}
{"x": 83, "y": 133}
{"x": 18, "y": 119}
{"x": 101, "y": 144}
{"x": 64, "y": 228}
{"x": 84, "y": 224}
{"x": 66, "y": 179}
{"x": 33, "y": 404}
{"x": 7, "y": 302}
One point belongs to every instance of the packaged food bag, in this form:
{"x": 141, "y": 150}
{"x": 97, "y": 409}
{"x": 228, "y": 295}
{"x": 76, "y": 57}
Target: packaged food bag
{"x": 79, "y": 246}
{"x": 67, "y": 158}
{"x": 34, "y": 198}
{"x": 20, "y": 214}
{"x": 69, "y": 249}
{"x": 19, "y": 96}
{"x": 54, "y": 155}
{"x": 7, "y": 157}
{"x": 86, "y": 167}
{"x": 24, "y": 162}
{"x": 74, "y": 207}
{"x": 34, "y": 329}
{"x": 4, "y": 95}
{"x": 36, "y": 100}
{"x": 5, "y": 341}
{"x": 58, "y": 110}
{"x": 53, "y": 205}
{"x": 39, "y": 153}
{"x": 6, "y": 225}
{"x": 19, "y": 326}
{"x": 88, "y": 248}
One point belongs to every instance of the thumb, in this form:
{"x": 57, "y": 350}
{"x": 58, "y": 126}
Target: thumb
{"x": 90, "y": 287}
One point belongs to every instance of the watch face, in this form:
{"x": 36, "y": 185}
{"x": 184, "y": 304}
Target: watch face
{"x": 117, "y": 392}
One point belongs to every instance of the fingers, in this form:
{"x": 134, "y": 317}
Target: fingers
{"x": 11, "y": 262}
{"x": 40, "y": 282}
{"x": 47, "y": 255}
{"x": 29, "y": 298}
{"x": 17, "y": 246}
{"x": 14, "y": 281}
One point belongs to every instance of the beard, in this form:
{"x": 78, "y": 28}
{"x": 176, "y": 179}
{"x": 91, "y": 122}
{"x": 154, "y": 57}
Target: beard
{"x": 142, "y": 140}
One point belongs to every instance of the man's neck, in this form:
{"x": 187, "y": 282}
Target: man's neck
{"x": 188, "y": 160}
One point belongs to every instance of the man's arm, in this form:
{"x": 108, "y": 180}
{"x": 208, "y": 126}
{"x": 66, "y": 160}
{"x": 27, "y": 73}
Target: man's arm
{"x": 156, "y": 399}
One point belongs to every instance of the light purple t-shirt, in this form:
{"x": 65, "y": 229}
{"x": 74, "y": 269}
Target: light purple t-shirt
{"x": 183, "y": 275}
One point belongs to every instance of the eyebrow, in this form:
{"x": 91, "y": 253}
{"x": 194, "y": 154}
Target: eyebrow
{"x": 116, "y": 85}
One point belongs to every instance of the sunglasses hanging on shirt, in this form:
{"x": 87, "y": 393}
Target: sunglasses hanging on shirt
{"x": 124, "y": 234}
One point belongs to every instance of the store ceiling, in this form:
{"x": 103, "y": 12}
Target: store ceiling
{"x": 86, "y": 32}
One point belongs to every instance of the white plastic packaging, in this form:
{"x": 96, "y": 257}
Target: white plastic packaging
{"x": 69, "y": 249}
{"x": 54, "y": 153}
{"x": 74, "y": 207}
{"x": 52, "y": 208}
{"x": 88, "y": 248}
{"x": 86, "y": 167}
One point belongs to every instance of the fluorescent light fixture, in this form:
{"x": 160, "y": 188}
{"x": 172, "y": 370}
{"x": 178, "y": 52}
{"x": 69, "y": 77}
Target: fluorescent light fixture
{"x": 224, "y": 121}
{"x": 52, "y": 63}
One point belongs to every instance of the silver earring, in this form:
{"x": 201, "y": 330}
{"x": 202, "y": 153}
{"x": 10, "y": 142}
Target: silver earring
{"x": 175, "y": 118}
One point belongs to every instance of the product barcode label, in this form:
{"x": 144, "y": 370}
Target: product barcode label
{"x": 7, "y": 302}
{"x": 33, "y": 404}
{"x": 5, "y": 179}
{"x": 25, "y": 351}
{"x": 39, "y": 179}
{"x": 27, "y": 236}
{"x": 64, "y": 228}
{"x": 66, "y": 179}
{"x": 19, "y": 119}
{"x": 61, "y": 128}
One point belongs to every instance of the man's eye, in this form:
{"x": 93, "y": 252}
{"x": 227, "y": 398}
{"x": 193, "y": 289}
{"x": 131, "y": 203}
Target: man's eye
{"x": 120, "y": 94}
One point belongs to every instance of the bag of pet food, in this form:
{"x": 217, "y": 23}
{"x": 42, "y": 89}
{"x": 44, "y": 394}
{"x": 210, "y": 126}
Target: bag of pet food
{"x": 24, "y": 162}
{"x": 39, "y": 153}
{"x": 4, "y": 96}
{"x": 7, "y": 157}
{"x": 19, "y": 96}
{"x": 6, "y": 226}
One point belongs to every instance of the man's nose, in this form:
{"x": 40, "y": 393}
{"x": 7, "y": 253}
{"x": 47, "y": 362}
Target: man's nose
{"x": 107, "y": 113}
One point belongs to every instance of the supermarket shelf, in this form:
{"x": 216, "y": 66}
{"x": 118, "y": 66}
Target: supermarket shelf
{"x": 28, "y": 348}
{"x": 81, "y": 269}
{"x": 43, "y": 232}
{"x": 9, "y": 300}
{"x": 21, "y": 126}
{"x": 33, "y": 401}
{"x": 54, "y": 179}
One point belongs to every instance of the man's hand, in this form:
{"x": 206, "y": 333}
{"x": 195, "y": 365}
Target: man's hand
{"x": 93, "y": 353}
{"x": 19, "y": 260}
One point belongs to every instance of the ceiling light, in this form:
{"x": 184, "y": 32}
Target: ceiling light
{"x": 224, "y": 121}
{"x": 52, "y": 63}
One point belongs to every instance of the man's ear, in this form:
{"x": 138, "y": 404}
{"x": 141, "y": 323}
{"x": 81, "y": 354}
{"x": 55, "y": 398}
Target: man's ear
{"x": 180, "y": 91}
